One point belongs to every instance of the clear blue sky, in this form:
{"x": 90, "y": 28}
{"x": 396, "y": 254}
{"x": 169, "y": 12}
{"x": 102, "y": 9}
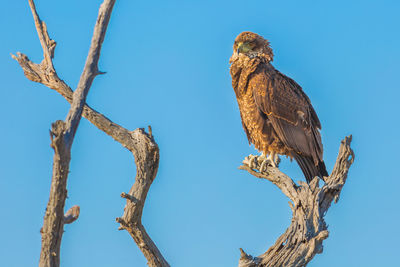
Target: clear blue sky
{"x": 167, "y": 66}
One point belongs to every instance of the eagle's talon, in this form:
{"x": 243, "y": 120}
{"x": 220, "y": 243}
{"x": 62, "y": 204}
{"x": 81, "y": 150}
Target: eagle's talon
{"x": 251, "y": 161}
{"x": 262, "y": 162}
{"x": 264, "y": 165}
{"x": 277, "y": 160}
{"x": 274, "y": 159}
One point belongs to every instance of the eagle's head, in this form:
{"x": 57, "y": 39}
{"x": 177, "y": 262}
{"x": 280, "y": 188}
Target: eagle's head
{"x": 251, "y": 45}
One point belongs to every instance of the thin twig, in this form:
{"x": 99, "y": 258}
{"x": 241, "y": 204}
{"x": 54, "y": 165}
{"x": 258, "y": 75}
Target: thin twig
{"x": 43, "y": 37}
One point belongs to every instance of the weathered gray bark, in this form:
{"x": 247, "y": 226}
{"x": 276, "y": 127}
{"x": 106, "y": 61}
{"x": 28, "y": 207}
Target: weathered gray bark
{"x": 53, "y": 224}
{"x": 309, "y": 203}
{"x": 63, "y": 132}
{"x": 141, "y": 144}
{"x": 147, "y": 158}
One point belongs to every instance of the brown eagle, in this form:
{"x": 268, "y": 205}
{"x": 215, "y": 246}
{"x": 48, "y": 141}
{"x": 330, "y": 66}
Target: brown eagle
{"x": 277, "y": 115}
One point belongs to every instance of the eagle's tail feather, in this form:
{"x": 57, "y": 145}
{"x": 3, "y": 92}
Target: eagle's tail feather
{"x": 309, "y": 169}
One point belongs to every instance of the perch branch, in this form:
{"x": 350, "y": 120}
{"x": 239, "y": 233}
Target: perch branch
{"x": 303, "y": 239}
{"x": 141, "y": 144}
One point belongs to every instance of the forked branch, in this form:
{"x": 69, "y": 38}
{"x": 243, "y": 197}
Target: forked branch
{"x": 303, "y": 238}
{"x": 63, "y": 132}
{"x": 141, "y": 144}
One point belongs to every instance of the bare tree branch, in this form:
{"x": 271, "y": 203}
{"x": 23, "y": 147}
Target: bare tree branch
{"x": 147, "y": 159}
{"x": 53, "y": 224}
{"x": 133, "y": 141}
{"x": 89, "y": 72}
{"x": 63, "y": 132}
{"x": 36, "y": 73}
{"x": 303, "y": 238}
{"x": 48, "y": 45}
{"x": 142, "y": 145}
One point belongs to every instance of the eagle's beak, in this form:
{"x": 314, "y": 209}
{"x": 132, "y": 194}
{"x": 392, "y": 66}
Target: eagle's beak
{"x": 239, "y": 49}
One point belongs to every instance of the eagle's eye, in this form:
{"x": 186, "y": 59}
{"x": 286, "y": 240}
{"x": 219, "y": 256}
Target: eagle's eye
{"x": 245, "y": 47}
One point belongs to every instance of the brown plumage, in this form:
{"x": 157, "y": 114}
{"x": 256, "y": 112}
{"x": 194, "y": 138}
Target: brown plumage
{"x": 277, "y": 115}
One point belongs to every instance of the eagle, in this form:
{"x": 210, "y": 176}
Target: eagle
{"x": 276, "y": 114}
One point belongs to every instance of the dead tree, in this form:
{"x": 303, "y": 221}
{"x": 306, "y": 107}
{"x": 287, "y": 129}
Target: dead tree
{"x": 296, "y": 247}
{"x": 140, "y": 143}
